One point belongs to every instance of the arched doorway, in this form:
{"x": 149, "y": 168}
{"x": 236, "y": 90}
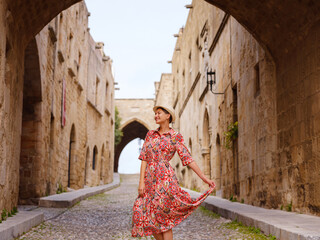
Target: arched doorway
{"x": 94, "y": 157}
{"x": 102, "y": 164}
{"x": 218, "y": 173}
{"x": 72, "y": 156}
{"x": 32, "y": 173}
{"x": 206, "y": 145}
{"x": 86, "y": 166}
{"x": 131, "y": 130}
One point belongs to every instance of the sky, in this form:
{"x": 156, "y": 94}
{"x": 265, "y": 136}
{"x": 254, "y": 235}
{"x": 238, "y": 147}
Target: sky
{"x": 138, "y": 36}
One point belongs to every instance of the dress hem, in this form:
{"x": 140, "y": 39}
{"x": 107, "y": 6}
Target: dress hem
{"x": 203, "y": 197}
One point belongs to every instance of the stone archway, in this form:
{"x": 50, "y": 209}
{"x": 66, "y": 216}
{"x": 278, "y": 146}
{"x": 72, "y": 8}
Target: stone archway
{"x": 32, "y": 173}
{"x": 277, "y": 26}
{"x": 132, "y": 130}
{"x": 274, "y": 24}
{"x": 27, "y": 18}
{"x": 218, "y": 166}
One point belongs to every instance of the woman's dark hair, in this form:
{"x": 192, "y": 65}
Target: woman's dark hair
{"x": 170, "y": 119}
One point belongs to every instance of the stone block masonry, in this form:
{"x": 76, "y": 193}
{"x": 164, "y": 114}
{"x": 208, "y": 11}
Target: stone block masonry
{"x": 274, "y": 97}
{"x": 49, "y": 141}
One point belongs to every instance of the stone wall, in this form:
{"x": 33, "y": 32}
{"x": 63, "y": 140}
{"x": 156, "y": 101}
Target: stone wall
{"x": 57, "y": 72}
{"x": 290, "y": 37}
{"x": 274, "y": 162}
{"x": 297, "y": 162}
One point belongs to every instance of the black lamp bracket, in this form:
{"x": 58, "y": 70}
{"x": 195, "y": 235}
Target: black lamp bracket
{"x": 211, "y": 81}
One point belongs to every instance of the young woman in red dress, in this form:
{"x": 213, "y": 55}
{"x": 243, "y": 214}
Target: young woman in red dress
{"x": 161, "y": 203}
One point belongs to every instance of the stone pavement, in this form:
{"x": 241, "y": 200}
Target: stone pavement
{"x": 108, "y": 216}
{"x": 281, "y": 224}
{"x": 68, "y": 199}
{"x": 30, "y": 216}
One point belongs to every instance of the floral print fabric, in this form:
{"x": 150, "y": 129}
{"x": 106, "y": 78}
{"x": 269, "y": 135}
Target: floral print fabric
{"x": 164, "y": 204}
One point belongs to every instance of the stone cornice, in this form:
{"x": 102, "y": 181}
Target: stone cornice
{"x": 190, "y": 93}
{"x": 218, "y": 34}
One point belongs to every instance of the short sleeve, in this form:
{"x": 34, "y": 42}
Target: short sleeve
{"x": 183, "y": 151}
{"x": 143, "y": 152}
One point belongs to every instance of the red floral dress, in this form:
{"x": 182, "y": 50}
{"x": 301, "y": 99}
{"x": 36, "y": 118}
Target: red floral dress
{"x": 164, "y": 204}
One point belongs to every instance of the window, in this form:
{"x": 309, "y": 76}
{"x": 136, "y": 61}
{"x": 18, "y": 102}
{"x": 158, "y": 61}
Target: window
{"x": 51, "y": 131}
{"x": 97, "y": 91}
{"x": 79, "y": 61}
{"x": 107, "y": 88}
{"x": 71, "y": 47}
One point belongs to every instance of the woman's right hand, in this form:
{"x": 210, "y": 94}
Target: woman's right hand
{"x": 210, "y": 182}
{"x": 141, "y": 189}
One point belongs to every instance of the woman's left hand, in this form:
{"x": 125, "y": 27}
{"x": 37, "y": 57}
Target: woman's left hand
{"x": 210, "y": 182}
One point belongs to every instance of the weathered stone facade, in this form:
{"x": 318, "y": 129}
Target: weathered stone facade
{"x": 57, "y": 112}
{"x": 274, "y": 162}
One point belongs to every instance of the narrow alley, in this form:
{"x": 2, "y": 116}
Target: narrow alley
{"x": 108, "y": 216}
{"x": 190, "y": 93}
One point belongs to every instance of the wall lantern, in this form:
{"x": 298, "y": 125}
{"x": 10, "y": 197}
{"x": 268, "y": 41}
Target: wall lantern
{"x": 210, "y": 81}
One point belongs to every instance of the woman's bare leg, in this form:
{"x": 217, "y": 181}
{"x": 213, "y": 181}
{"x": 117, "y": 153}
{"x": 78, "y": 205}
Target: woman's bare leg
{"x": 158, "y": 236}
{"x": 168, "y": 235}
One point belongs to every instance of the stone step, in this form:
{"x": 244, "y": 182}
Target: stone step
{"x": 68, "y": 199}
{"x": 23, "y": 221}
{"x": 281, "y": 224}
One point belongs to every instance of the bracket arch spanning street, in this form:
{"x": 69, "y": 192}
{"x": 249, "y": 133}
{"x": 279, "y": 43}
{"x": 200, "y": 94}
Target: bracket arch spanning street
{"x": 137, "y": 118}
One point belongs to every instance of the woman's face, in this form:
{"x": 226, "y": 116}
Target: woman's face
{"x": 160, "y": 116}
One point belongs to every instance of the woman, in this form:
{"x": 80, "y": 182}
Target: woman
{"x": 161, "y": 203}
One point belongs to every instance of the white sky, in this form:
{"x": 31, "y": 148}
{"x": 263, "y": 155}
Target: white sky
{"x": 138, "y": 36}
{"x": 128, "y": 161}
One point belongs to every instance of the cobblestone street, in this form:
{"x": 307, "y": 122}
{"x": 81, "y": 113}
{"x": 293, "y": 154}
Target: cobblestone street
{"x": 108, "y": 216}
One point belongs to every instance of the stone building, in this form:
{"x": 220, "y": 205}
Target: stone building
{"x": 271, "y": 89}
{"x": 57, "y": 110}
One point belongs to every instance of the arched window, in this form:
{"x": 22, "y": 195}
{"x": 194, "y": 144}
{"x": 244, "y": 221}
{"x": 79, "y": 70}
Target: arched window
{"x": 86, "y": 166}
{"x": 95, "y": 153}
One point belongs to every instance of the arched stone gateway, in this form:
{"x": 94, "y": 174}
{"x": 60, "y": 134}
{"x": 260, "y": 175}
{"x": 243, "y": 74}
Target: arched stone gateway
{"x": 137, "y": 117}
{"x": 130, "y": 131}
{"x": 278, "y": 26}
{"x": 27, "y": 18}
